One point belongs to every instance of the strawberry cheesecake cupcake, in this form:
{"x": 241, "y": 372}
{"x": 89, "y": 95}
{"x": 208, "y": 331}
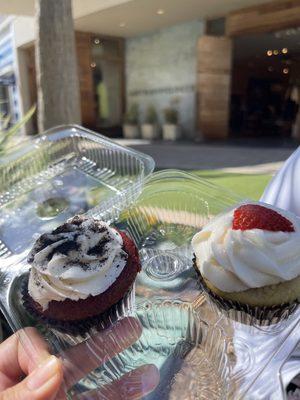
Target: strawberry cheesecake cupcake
{"x": 79, "y": 272}
{"x": 248, "y": 259}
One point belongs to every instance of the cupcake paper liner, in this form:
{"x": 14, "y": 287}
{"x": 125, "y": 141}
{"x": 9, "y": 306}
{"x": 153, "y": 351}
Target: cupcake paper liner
{"x": 246, "y": 314}
{"x": 81, "y": 327}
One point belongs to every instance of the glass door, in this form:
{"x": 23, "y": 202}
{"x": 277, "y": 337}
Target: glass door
{"x": 107, "y": 70}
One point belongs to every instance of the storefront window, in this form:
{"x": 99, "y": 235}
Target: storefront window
{"x": 4, "y": 101}
{"x": 107, "y": 70}
{"x": 8, "y": 100}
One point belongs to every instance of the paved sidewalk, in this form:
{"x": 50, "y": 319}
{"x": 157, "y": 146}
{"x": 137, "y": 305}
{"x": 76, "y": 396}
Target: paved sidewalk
{"x": 193, "y": 156}
{"x": 268, "y": 168}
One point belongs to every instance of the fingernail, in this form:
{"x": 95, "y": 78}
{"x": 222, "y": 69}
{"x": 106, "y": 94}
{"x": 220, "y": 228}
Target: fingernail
{"x": 150, "y": 378}
{"x": 43, "y": 373}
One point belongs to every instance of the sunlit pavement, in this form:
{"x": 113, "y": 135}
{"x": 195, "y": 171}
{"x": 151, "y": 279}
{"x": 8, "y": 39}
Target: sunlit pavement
{"x": 231, "y": 158}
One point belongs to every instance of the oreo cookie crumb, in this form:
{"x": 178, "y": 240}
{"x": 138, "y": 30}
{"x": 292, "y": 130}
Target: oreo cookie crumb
{"x": 99, "y": 248}
{"x": 63, "y": 248}
{"x": 77, "y": 220}
{"x": 65, "y": 228}
{"x": 85, "y": 266}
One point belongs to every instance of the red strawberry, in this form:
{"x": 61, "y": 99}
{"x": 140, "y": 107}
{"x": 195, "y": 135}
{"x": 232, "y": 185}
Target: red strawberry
{"x": 254, "y": 216}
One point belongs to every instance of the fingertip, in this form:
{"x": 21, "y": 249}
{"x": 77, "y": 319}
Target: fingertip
{"x": 139, "y": 382}
{"x": 59, "y": 367}
{"x": 149, "y": 377}
{"x": 43, "y": 383}
{"x": 153, "y": 371}
{"x": 32, "y": 349}
{"x": 46, "y": 379}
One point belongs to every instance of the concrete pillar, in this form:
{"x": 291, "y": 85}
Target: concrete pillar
{"x": 56, "y": 65}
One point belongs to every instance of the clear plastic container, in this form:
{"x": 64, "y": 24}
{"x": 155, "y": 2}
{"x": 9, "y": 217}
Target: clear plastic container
{"x": 170, "y": 327}
{"x": 170, "y": 210}
{"x": 67, "y": 171}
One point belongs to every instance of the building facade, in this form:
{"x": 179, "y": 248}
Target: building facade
{"x": 156, "y": 69}
{"x": 161, "y": 70}
{"x": 187, "y": 57}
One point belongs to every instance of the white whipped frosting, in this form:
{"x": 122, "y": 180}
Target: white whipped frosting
{"x": 236, "y": 260}
{"x": 81, "y": 258}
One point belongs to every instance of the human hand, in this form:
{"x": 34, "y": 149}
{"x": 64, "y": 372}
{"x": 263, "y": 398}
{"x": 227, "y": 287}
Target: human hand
{"x": 45, "y": 374}
{"x": 21, "y": 357}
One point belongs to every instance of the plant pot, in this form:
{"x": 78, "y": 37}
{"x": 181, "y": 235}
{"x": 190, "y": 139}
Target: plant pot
{"x": 131, "y": 131}
{"x": 150, "y": 131}
{"x": 171, "y": 132}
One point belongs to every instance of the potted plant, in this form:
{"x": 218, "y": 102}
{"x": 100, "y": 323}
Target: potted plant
{"x": 131, "y": 122}
{"x": 150, "y": 126}
{"x": 171, "y": 129}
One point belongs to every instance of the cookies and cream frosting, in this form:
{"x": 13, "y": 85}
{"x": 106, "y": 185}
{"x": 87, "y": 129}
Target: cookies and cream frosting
{"x": 237, "y": 260}
{"x": 80, "y": 258}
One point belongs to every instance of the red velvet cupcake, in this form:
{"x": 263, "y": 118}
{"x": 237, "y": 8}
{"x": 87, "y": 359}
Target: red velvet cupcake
{"x": 80, "y": 271}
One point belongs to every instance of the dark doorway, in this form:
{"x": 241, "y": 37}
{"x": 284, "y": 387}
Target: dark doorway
{"x": 265, "y": 85}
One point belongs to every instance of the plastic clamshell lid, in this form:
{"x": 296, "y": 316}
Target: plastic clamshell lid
{"x": 198, "y": 351}
{"x": 67, "y": 171}
{"x": 225, "y": 358}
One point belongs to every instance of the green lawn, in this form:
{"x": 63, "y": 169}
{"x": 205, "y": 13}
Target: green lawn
{"x": 245, "y": 185}
{"x": 198, "y": 198}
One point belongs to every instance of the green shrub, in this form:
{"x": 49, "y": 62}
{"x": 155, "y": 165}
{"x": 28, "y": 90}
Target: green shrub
{"x": 151, "y": 115}
{"x": 7, "y": 134}
{"x": 132, "y": 115}
{"x": 171, "y": 116}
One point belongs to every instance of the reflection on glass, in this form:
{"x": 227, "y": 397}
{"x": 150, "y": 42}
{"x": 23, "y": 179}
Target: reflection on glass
{"x": 107, "y": 67}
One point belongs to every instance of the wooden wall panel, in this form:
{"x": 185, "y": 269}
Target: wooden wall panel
{"x": 88, "y": 107}
{"x": 264, "y": 18}
{"x": 213, "y": 86}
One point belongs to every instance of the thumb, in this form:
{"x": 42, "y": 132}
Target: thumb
{"x": 42, "y": 384}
